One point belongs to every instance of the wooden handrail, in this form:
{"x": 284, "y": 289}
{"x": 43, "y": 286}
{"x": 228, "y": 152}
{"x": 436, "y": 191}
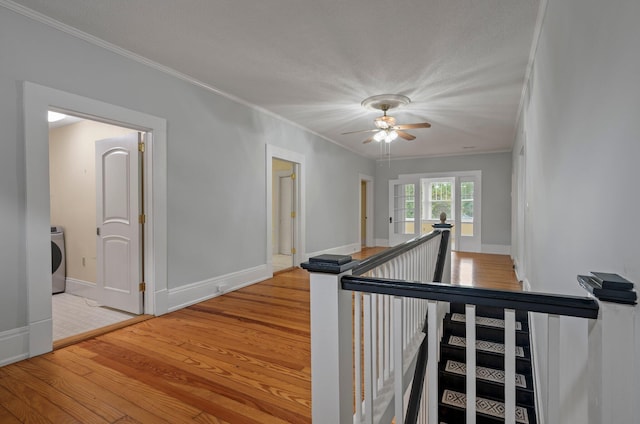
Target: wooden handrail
{"x": 574, "y": 306}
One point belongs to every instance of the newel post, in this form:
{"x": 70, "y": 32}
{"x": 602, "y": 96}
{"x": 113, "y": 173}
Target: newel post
{"x": 444, "y": 274}
{"x": 613, "y": 359}
{"x": 331, "y": 343}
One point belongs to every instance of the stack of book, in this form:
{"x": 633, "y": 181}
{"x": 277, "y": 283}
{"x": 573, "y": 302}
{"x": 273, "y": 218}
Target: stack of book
{"x": 609, "y": 287}
{"x": 333, "y": 264}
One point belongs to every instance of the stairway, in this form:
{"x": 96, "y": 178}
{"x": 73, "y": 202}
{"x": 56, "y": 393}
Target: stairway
{"x": 489, "y": 367}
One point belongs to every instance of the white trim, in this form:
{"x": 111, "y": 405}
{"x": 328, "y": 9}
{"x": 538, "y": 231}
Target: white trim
{"x": 347, "y": 249}
{"x": 37, "y": 100}
{"x": 300, "y": 223}
{"x": 537, "y": 390}
{"x": 199, "y": 291}
{"x": 91, "y": 39}
{"x": 382, "y": 242}
{"x": 81, "y": 288}
{"x": 370, "y": 241}
{"x": 443, "y": 155}
{"x": 496, "y": 249}
{"x": 14, "y": 345}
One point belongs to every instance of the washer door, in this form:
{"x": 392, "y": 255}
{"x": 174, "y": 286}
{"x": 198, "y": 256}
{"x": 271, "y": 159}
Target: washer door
{"x": 56, "y": 257}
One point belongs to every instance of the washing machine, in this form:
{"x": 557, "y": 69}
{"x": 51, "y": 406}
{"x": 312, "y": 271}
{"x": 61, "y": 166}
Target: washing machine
{"x": 58, "y": 260}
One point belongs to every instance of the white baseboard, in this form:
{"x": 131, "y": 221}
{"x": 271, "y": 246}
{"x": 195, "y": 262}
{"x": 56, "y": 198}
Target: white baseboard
{"x": 190, "y": 294}
{"x": 341, "y": 250}
{"x": 496, "y": 249}
{"x": 14, "y": 345}
{"x": 81, "y": 288}
{"x": 382, "y": 242}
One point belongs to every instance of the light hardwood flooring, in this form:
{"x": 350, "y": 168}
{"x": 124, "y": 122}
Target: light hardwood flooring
{"x": 239, "y": 358}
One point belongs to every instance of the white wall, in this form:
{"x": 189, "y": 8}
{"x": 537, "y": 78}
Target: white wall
{"x": 496, "y": 190}
{"x": 582, "y": 149}
{"x": 216, "y": 202}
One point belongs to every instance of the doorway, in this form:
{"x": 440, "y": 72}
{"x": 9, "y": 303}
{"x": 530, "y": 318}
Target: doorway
{"x": 78, "y": 179}
{"x": 38, "y": 100}
{"x": 366, "y": 211}
{"x": 283, "y": 213}
{"x": 290, "y": 161}
{"x": 416, "y": 202}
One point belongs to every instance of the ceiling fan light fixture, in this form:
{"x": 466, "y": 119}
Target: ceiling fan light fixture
{"x": 391, "y": 135}
{"x": 380, "y": 135}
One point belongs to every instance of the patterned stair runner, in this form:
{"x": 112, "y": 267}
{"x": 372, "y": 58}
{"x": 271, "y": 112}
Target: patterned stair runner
{"x": 483, "y": 406}
{"x": 484, "y": 346}
{"x": 482, "y": 373}
{"x": 485, "y": 321}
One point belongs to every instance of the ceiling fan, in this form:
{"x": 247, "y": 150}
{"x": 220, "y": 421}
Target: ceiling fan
{"x": 387, "y": 129}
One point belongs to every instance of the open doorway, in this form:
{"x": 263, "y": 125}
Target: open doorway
{"x": 295, "y": 215}
{"x": 38, "y": 100}
{"x": 283, "y": 214}
{"x": 87, "y": 180}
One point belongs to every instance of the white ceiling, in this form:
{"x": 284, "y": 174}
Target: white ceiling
{"x": 462, "y": 62}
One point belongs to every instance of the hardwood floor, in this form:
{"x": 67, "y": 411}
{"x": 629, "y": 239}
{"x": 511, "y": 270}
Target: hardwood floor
{"x": 483, "y": 270}
{"x": 239, "y": 358}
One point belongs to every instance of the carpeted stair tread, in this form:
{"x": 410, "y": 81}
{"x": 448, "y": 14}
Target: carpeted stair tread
{"x": 483, "y": 373}
{"x": 484, "y": 346}
{"x": 487, "y": 407}
{"x": 484, "y": 321}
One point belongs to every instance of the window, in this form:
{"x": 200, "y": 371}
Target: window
{"x": 466, "y": 201}
{"x": 440, "y": 200}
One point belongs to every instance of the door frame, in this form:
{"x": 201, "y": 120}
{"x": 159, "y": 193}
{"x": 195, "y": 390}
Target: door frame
{"x": 38, "y": 100}
{"x": 368, "y": 180}
{"x": 298, "y": 160}
{"x": 477, "y": 174}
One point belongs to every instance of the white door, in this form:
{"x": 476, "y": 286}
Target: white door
{"x": 118, "y": 225}
{"x": 467, "y": 220}
{"x": 404, "y": 210}
{"x": 286, "y": 215}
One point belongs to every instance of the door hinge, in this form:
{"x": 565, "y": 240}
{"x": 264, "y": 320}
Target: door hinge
{"x": 98, "y": 231}
{"x": 293, "y": 250}
{"x": 143, "y": 286}
{"x": 293, "y": 176}
{"x": 142, "y": 219}
{"x": 141, "y": 146}
{"x": 293, "y": 214}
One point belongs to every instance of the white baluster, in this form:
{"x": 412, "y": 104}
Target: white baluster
{"x": 553, "y": 369}
{"x": 387, "y": 336}
{"x": 398, "y": 357}
{"x": 357, "y": 352}
{"x": 369, "y": 377}
{"x": 510, "y": 366}
{"x": 432, "y": 362}
{"x": 470, "y": 336}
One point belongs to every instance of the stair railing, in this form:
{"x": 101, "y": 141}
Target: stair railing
{"x": 364, "y": 345}
{"x": 387, "y": 305}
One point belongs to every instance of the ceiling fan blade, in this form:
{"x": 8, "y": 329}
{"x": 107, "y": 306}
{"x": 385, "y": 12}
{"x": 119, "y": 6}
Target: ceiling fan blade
{"x": 406, "y": 135}
{"x": 361, "y": 131}
{"x": 368, "y": 140}
{"x": 410, "y": 126}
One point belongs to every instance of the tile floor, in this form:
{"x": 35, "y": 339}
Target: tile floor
{"x": 74, "y": 315}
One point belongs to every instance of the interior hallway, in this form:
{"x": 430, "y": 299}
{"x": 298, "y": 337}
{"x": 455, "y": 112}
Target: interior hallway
{"x": 242, "y": 357}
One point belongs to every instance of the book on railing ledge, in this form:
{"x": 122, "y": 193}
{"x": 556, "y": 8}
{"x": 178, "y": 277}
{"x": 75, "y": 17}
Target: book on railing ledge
{"x": 333, "y": 264}
{"x": 609, "y": 287}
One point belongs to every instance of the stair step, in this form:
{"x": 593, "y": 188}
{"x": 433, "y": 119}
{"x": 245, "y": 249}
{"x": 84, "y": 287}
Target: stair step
{"x": 484, "y": 406}
{"x": 483, "y": 373}
{"x": 484, "y": 321}
{"x": 484, "y": 346}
